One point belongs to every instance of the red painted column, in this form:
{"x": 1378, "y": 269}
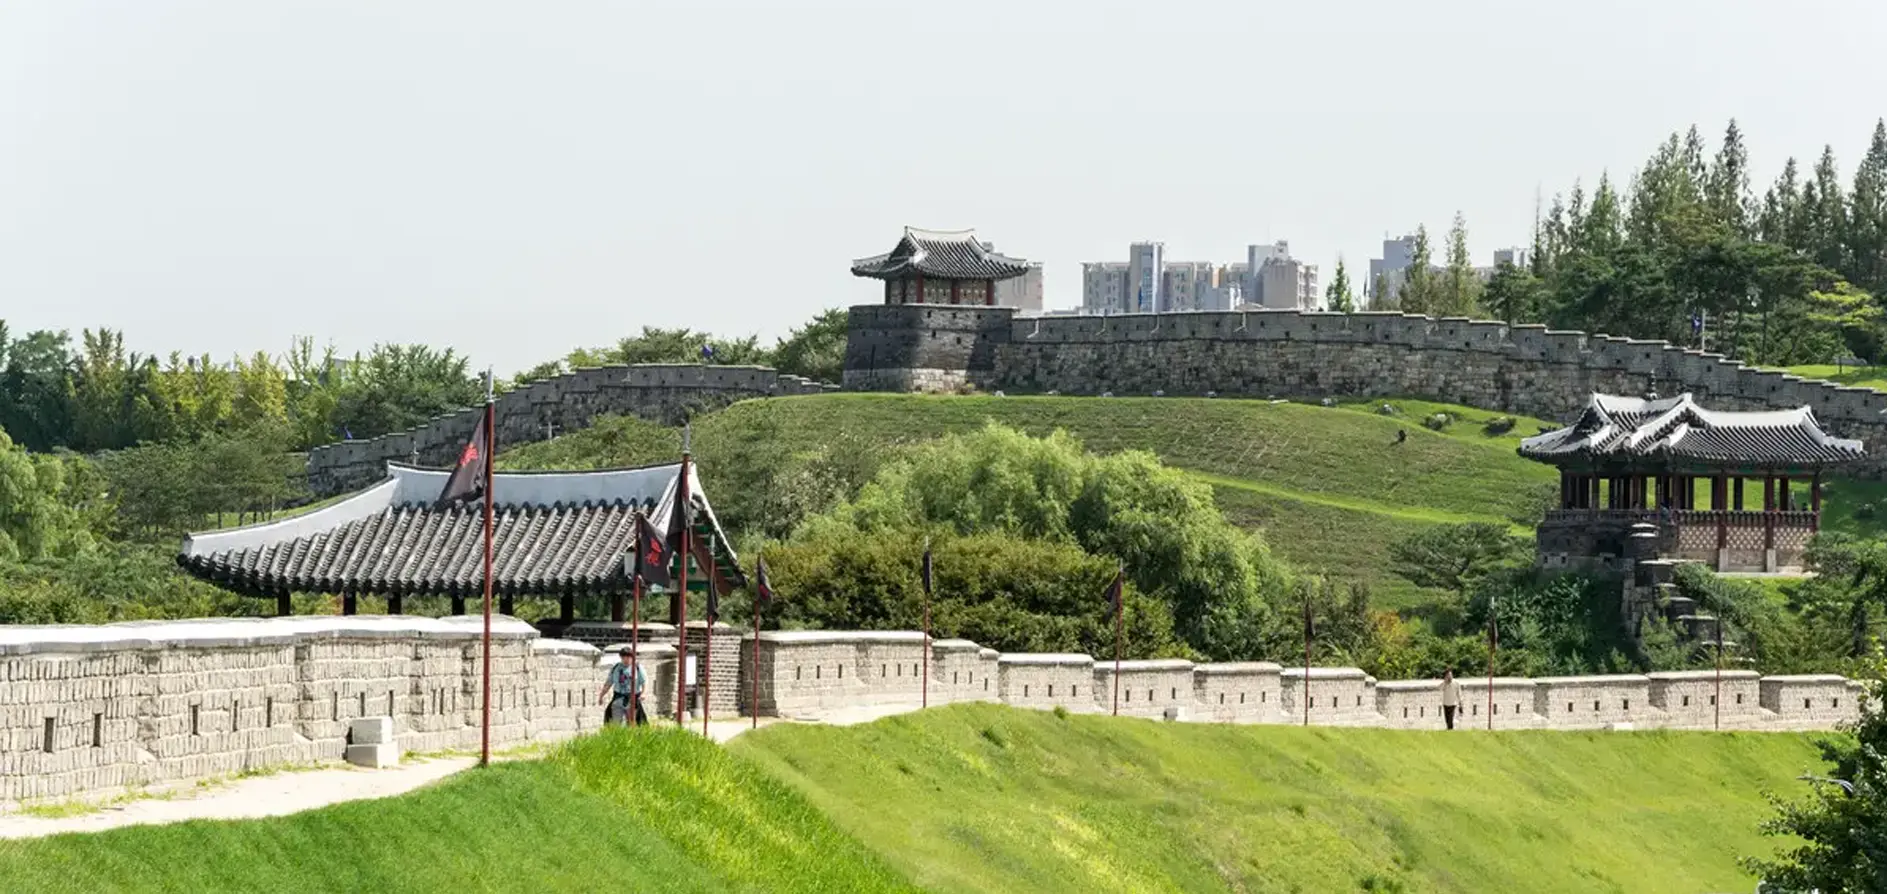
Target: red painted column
{"x": 956, "y": 286}
{"x": 1769, "y": 512}
{"x": 919, "y": 281}
{"x": 1814, "y": 501}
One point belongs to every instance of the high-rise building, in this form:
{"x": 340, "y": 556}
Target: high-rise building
{"x": 1515, "y": 256}
{"x": 1148, "y": 282}
{"x": 1390, "y": 270}
{"x": 1287, "y": 284}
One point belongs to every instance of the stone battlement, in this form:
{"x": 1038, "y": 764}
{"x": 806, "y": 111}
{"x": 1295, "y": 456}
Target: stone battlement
{"x": 660, "y": 392}
{"x": 95, "y": 709}
{"x": 1523, "y": 368}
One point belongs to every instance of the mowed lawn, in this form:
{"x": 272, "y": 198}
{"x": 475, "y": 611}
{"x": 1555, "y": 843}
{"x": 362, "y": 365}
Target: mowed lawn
{"x": 654, "y": 811}
{"x": 987, "y": 798}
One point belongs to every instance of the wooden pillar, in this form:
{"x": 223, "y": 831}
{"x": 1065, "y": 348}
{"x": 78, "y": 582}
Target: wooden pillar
{"x": 920, "y": 289}
{"x": 956, "y": 295}
{"x": 1592, "y": 491}
{"x": 567, "y": 608}
{"x": 458, "y": 605}
{"x": 1737, "y": 484}
{"x": 1814, "y": 500}
{"x": 618, "y": 608}
{"x": 1786, "y": 503}
{"x": 396, "y": 604}
{"x": 507, "y": 605}
{"x": 348, "y": 605}
{"x": 1769, "y": 512}
{"x": 283, "y": 607}
{"x": 1565, "y": 490}
{"x": 989, "y": 295}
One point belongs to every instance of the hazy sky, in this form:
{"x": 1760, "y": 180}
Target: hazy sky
{"x": 516, "y": 179}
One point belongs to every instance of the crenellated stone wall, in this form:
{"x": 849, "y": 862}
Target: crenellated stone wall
{"x": 659, "y": 392}
{"x": 135, "y": 704}
{"x": 1309, "y": 354}
{"x": 95, "y": 709}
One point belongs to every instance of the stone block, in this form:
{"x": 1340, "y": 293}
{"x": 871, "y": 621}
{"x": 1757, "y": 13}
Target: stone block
{"x": 385, "y": 754}
{"x": 371, "y": 730}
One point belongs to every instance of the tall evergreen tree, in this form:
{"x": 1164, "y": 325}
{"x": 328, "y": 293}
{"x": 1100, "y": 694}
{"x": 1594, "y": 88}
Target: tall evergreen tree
{"x": 1601, "y": 227}
{"x": 1337, "y": 295}
{"x": 1867, "y": 223}
{"x": 1726, "y": 189}
{"x": 1827, "y": 215}
{"x": 1418, "y": 294}
{"x": 1781, "y": 208}
{"x": 1461, "y": 286}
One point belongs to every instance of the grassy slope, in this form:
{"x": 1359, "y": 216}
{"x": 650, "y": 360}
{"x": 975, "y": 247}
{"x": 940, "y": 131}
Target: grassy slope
{"x": 661, "y": 811}
{"x": 988, "y": 798}
{"x": 984, "y": 798}
{"x": 1330, "y": 486}
{"x": 1859, "y": 377}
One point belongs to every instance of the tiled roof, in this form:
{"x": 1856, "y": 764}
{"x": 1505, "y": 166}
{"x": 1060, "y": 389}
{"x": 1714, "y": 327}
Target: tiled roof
{"x": 942, "y": 255}
{"x": 553, "y": 534}
{"x": 1613, "y": 426}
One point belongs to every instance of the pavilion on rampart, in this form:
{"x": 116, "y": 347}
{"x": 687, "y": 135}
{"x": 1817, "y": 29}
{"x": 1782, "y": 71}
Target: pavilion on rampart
{"x": 1737, "y": 491}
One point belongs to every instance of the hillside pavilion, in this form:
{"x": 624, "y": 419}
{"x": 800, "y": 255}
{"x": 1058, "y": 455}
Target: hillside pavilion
{"x": 555, "y": 535}
{"x": 1691, "y": 473}
{"x": 940, "y": 267}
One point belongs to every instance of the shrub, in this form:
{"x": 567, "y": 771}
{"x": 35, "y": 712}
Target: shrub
{"x": 1438, "y": 421}
{"x": 1499, "y": 425}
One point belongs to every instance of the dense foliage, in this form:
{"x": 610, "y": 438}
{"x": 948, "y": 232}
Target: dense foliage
{"x": 1687, "y": 252}
{"x": 1036, "y": 526}
{"x": 1840, "y": 830}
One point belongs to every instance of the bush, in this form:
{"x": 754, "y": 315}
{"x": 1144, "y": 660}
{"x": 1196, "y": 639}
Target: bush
{"x": 1499, "y": 425}
{"x": 1865, "y": 511}
{"x": 1438, "y": 421}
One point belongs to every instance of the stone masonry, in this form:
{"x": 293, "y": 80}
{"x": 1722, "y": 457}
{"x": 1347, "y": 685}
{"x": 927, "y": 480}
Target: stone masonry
{"x": 1310, "y": 355}
{"x": 659, "y": 392}
{"x": 97, "y": 709}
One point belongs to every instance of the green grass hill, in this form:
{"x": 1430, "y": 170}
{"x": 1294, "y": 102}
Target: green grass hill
{"x": 1329, "y": 486}
{"x": 986, "y": 798}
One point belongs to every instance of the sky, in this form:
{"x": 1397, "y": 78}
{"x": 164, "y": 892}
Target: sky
{"x": 518, "y": 179}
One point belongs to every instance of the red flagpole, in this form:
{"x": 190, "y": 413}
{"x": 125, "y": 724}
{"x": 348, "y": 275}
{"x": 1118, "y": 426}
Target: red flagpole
{"x": 1716, "y": 701}
{"x": 754, "y": 706}
{"x": 635, "y": 629}
{"x": 1307, "y": 634}
{"x": 1493, "y": 646}
{"x": 484, "y": 732}
{"x": 1119, "y": 573}
{"x": 924, "y": 697}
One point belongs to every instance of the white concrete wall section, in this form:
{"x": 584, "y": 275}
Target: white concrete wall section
{"x": 1046, "y": 680}
{"x": 1809, "y": 701}
{"x": 1513, "y": 703}
{"x": 1339, "y": 696}
{"x": 1147, "y": 688}
{"x": 1594, "y": 702}
{"x": 1689, "y": 699}
{"x": 1243, "y": 692}
{"x": 88, "y": 709}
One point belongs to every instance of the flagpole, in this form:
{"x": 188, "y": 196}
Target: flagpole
{"x": 707, "y": 643}
{"x": 1716, "y": 701}
{"x": 1307, "y": 635}
{"x": 681, "y": 592}
{"x": 924, "y": 697}
{"x": 491, "y": 440}
{"x": 1493, "y": 647}
{"x": 1119, "y": 573}
{"x": 754, "y": 702}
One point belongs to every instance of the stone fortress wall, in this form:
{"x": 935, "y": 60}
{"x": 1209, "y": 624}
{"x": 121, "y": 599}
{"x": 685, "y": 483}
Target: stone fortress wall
{"x": 87, "y": 710}
{"x": 1524, "y": 368}
{"x": 658, "y": 392}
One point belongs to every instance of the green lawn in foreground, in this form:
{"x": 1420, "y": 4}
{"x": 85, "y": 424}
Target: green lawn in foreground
{"x": 979, "y": 798}
{"x": 986, "y": 798}
{"x": 660, "y": 811}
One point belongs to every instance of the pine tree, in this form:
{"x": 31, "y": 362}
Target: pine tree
{"x": 1828, "y": 215}
{"x": 1601, "y": 229}
{"x": 1461, "y": 286}
{"x": 1418, "y": 292}
{"x": 1867, "y": 224}
{"x": 1337, "y": 295}
{"x": 1781, "y": 208}
{"x": 1726, "y": 189}
{"x": 1379, "y": 297}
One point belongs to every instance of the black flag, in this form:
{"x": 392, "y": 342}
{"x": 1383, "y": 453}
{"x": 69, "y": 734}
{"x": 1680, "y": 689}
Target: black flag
{"x": 1114, "y": 590}
{"x": 652, "y": 554}
{"x": 763, "y": 588}
{"x": 682, "y": 520}
{"x": 704, "y": 559}
{"x": 1309, "y": 631}
{"x": 467, "y": 480}
{"x": 927, "y": 569}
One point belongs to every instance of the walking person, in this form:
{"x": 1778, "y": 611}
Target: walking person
{"x": 623, "y": 685}
{"x": 1450, "y": 697}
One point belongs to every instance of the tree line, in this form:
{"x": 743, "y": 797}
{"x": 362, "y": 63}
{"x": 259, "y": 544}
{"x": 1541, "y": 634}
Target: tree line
{"x": 1687, "y": 252}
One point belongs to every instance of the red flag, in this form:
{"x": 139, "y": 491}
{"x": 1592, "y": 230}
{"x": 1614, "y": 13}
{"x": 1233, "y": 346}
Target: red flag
{"x": 467, "y": 481}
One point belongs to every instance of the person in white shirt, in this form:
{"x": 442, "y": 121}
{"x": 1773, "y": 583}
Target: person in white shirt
{"x": 1450, "y": 697}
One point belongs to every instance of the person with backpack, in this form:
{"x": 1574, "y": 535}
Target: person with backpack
{"x": 623, "y": 685}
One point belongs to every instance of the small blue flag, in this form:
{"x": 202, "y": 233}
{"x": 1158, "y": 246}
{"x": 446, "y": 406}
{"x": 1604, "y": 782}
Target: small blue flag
{"x": 1697, "y": 324}
{"x": 707, "y": 352}
{"x": 346, "y": 433}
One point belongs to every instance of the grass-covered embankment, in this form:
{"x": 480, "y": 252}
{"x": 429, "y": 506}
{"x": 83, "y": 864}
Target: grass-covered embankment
{"x": 656, "y": 811}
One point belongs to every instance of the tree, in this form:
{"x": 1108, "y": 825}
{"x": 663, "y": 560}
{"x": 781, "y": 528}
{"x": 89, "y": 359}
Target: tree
{"x": 1419, "y": 293}
{"x": 1867, "y": 224}
{"x": 1452, "y": 557}
{"x": 38, "y": 517}
{"x": 1512, "y": 294}
{"x": 1379, "y": 297}
{"x": 1461, "y": 285}
{"x": 1726, "y": 189}
{"x": 817, "y": 349}
{"x": 396, "y": 387}
{"x": 1337, "y": 295}
{"x": 1842, "y": 824}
